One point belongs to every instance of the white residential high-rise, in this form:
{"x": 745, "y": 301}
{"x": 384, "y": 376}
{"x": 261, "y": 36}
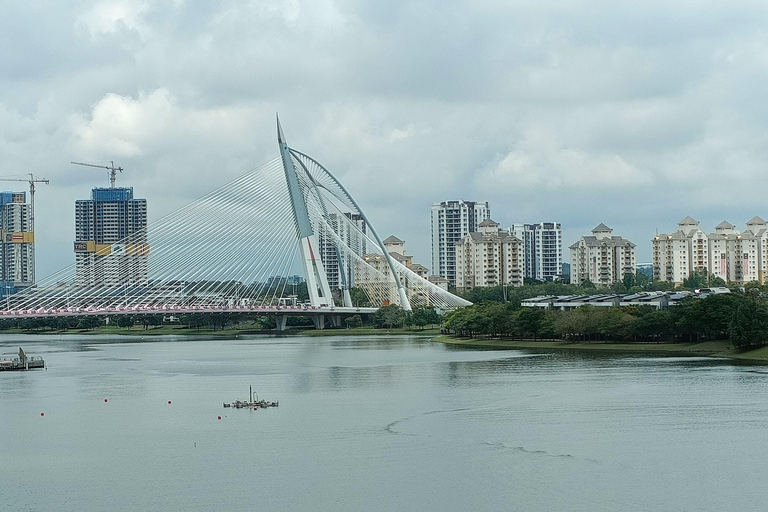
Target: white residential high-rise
{"x": 602, "y": 258}
{"x": 543, "y": 244}
{"x": 452, "y": 221}
{"x": 350, "y": 230}
{"x": 727, "y": 254}
{"x": 489, "y": 257}
{"x": 677, "y": 254}
{"x": 17, "y": 255}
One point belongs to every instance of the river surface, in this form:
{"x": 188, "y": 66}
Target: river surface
{"x": 376, "y": 423}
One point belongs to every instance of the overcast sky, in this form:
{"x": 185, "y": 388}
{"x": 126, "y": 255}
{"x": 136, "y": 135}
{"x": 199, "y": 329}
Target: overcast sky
{"x": 634, "y": 114}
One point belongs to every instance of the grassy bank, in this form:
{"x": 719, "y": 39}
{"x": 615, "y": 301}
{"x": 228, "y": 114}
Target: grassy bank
{"x": 706, "y": 349}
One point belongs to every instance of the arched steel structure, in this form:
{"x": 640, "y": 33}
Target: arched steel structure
{"x": 240, "y": 248}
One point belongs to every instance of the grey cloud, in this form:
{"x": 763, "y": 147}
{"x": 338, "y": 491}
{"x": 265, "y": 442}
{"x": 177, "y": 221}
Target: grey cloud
{"x": 579, "y": 112}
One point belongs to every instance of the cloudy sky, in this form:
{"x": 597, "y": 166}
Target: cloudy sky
{"x": 630, "y": 113}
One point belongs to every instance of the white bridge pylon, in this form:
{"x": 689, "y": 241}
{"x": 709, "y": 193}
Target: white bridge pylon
{"x": 240, "y": 248}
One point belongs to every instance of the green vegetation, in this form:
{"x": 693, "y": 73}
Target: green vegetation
{"x": 392, "y": 316}
{"x": 740, "y": 318}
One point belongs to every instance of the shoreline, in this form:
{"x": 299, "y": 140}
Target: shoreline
{"x": 714, "y": 349}
{"x": 177, "y": 331}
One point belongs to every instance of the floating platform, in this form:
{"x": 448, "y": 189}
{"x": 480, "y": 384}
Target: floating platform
{"x": 251, "y": 403}
{"x": 22, "y": 363}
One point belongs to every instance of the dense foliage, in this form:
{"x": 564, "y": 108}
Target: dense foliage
{"x": 394, "y": 316}
{"x": 740, "y": 318}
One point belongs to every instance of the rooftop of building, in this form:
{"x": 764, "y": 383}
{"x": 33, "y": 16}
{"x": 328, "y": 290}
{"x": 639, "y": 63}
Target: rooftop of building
{"x": 392, "y": 239}
{"x": 593, "y": 241}
{"x": 399, "y": 257}
{"x": 602, "y": 228}
{"x": 499, "y": 236}
{"x": 688, "y": 221}
{"x": 488, "y": 223}
{"x": 608, "y": 299}
{"x": 725, "y": 225}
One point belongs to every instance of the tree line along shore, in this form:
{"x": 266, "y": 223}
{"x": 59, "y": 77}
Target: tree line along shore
{"x": 732, "y": 325}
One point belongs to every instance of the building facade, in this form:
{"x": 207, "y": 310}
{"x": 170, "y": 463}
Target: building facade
{"x": 396, "y": 249}
{"x": 350, "y": 229}
{"x": 602, "y": 258}
{"x": 733, "y": 256}
{"x": 543, "y": 246}
{"x": 489, "y": 257}
{"x": 111, "y": 246}
{"x": 17, "y": 243}
{"x": 452, "y": 221}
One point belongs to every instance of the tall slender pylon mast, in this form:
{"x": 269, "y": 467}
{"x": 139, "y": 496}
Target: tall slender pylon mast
{"x": 317, "y": 280}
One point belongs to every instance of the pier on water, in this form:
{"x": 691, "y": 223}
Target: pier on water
{"x": 22, "y": 362}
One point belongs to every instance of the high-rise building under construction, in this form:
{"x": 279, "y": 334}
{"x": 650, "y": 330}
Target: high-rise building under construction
{"x": 18, "y": 265}
{"x": 111, "y": 246}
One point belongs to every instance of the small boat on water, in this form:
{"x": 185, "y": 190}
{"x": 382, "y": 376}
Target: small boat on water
{"x": 22, "y": 362}
{"x": 256, "y": 404}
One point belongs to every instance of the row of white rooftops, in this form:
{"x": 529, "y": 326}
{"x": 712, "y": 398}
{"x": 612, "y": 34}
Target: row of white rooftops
{"x": 690, "y": 226}
{"x": 659, "y": 300}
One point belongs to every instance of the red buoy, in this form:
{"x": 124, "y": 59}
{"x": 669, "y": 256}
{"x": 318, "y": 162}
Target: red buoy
{"x": 105, "y": 399}
{"x": 255, "y": 408}
{"x": 219, "y": 417}
{"x": 169, "y": 402}
{"x": 42, "y": 414}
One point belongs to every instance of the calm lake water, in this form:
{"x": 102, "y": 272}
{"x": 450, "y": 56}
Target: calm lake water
{"x": 376, "y": 423}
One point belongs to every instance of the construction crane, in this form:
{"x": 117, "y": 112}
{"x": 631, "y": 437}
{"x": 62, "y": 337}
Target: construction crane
{"x": 111, "y": 168}
{"x": 31, "y": 180}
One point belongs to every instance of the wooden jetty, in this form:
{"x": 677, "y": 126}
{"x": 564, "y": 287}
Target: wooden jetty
{"x": 251, "y": 403}
{"x": 22, "y": 362}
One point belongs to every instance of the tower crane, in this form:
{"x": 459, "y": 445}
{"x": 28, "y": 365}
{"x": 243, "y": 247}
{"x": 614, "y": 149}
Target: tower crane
{"x": 111, "y": 168}
{"x": 31, "y": 180}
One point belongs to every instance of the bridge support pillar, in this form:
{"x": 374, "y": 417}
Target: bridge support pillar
{"x": 319, "y": 321}
{"x": 281, "y": 321}
{"x": 336, "y": 320}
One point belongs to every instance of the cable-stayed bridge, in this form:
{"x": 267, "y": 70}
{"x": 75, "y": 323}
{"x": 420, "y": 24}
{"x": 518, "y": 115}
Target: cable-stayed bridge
{"x": 232, "y": 251}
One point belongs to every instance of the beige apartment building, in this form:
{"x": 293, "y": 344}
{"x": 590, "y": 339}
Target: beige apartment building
{"x": 733, "y": 256}
{"x": 602, "y": 258}
{"x": 489, "y": 257}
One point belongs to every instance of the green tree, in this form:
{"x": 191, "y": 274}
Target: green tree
{"x": 696, "y": 279}
{"x": 353, "y": 321}
{"x": 125, "y": 321}
{"x": 716, "y": 281}
{"x": 529, "y": 322}
{"x": 89, "y": 322}
{"x": 389, "y": 316}
{"x": 749, "y": 323}
{"x": 419, "y": 317}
